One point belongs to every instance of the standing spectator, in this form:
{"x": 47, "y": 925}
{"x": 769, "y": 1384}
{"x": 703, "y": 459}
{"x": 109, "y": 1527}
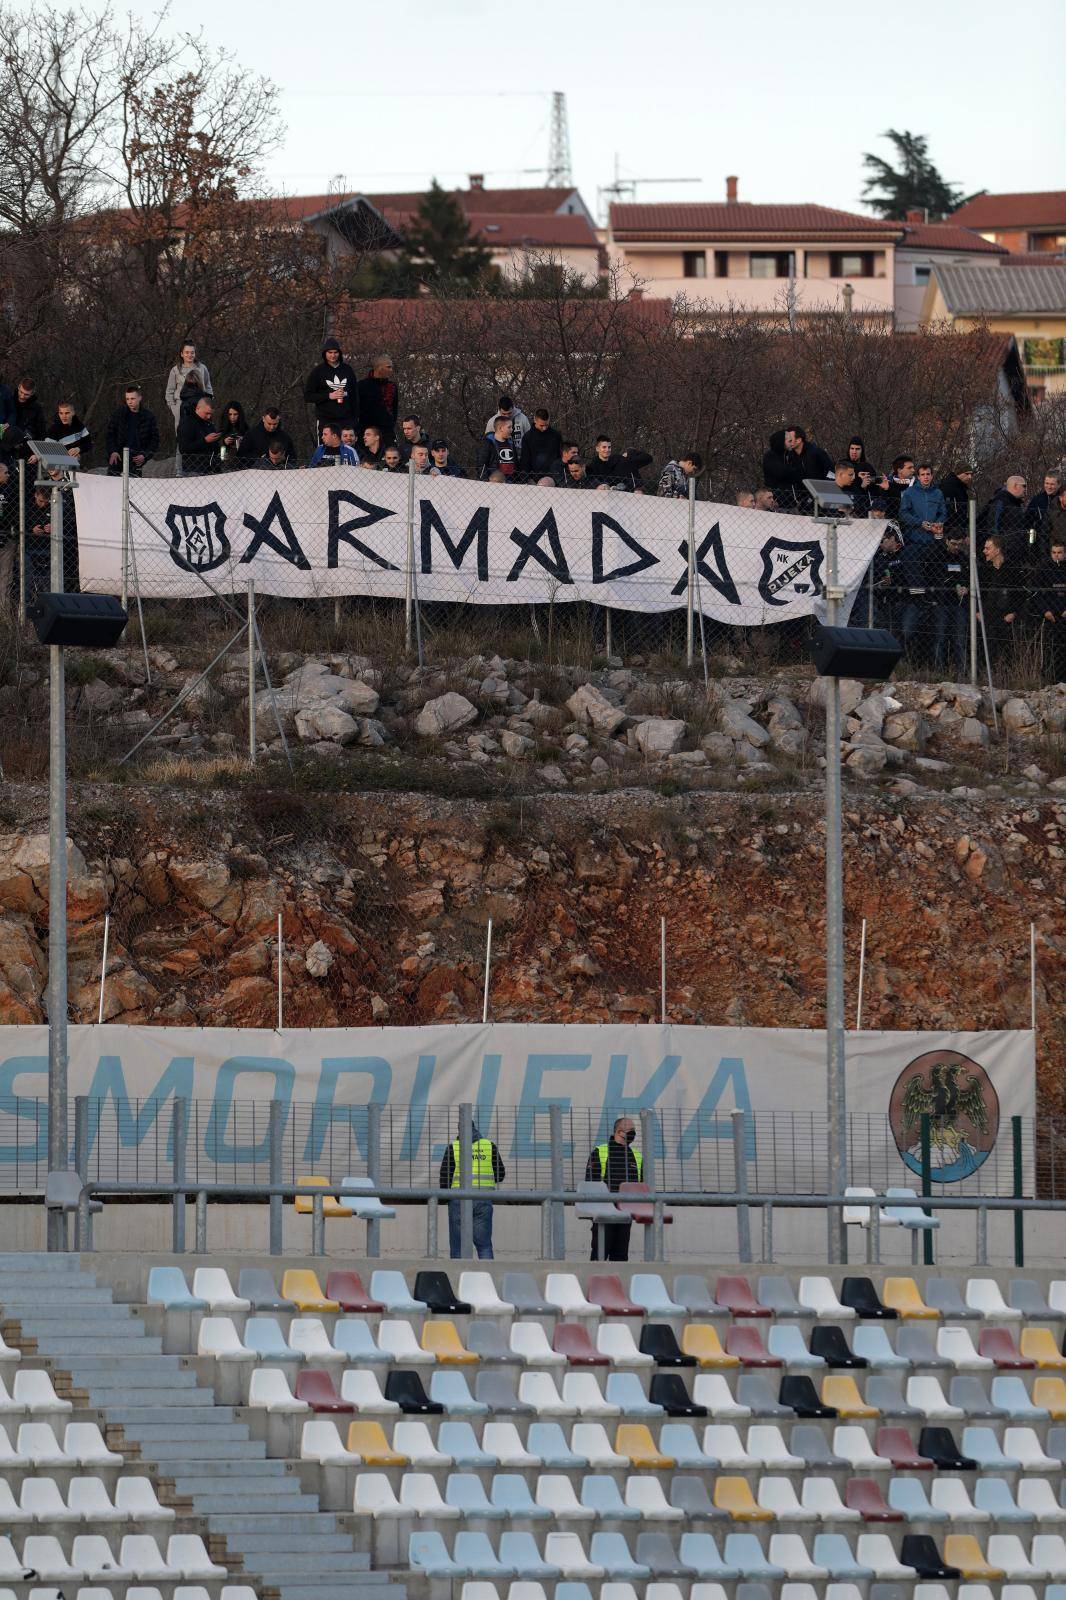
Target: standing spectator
{"x": 674, "y": 478}
{"x": 372, "y": 450}
{"x": 256, "y": 441}
{"x": 132, "y": 427}
{"x": 1001, "y": 598}
{"x": 844, "y": 478}
{"x": 497, "y": 452}
{"x": 1055, "y": 525}
{"x": 331, "y": 388}
{"x": 517, "y": 417}
{"x": 199, "y": 439}
{"x": 888, "y": 579}
{"x": 29, "y": 413}
{"x": 487, "y": 1172}
{"x": 957, "y": 489}
{"x": 923, "y": 510}
{"x": 893, "y": 488}
{"x": 68, "y": 430}
{"x": 920, "y": 571}
{"x": 857, "y": 456}
{"x": 616, "y": 469}
{"x": 1039, "y": 507}
{"x": 332, "y": 452}
{"x": 443, "y": 466}
{"x": 1005, "y": 516}
{"x": 233, "y": 425}
{"x": 38, "y": 575}
{"x": 379, "y": 398}
{"x": 9, "y": 526}
{"x": 615, "y": 1163}
{"x": 187, "y": 381}
{"x": 1051, "y": 605}
{"x": 950, "y": 571}
{"x": 791, "y": 458}
{"x": 412, "y": 433}
{"x": 541, "y": 447}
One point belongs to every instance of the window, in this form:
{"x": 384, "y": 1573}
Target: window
{"x": 922, "y": 275}
{"x": 847, "y": 264}
{"x": 694, "y": 263}
{"x": 721, "y": 263}
{"x": 766, "y": 264}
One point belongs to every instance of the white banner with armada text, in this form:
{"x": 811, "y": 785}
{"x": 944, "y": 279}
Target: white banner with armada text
{"x": 338, "y": 531}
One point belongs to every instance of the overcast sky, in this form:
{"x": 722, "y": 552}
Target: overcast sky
{"x": 787, "y": 96}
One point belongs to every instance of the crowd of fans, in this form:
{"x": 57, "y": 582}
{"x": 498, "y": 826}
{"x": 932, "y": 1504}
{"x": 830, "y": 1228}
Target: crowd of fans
{"x": 919, "y": 580}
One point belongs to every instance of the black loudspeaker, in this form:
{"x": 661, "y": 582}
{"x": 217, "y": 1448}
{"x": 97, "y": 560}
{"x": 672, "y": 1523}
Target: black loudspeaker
{"x": 854, "y": 652}
{"x": 95, "y": 621}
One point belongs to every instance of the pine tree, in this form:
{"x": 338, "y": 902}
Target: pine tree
{"x": 915, "y": 185}
{"x": 439, "y": 248}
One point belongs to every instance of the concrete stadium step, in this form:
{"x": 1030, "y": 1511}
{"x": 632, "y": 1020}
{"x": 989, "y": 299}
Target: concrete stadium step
{"x": 234, "y": 1523}
{"x": 262, "y": 1467}
{"x": 38, "y": 1261}
{"x": 292, "y": 1543}
{"x": 384, "y": 1586}
{"x": 73, "y": 1291}
{"x": 261, "y": 1506}
{"x": 167, "y": 1452}
{"x": 141, "y": 1400}
{"x": 69, "y": 1345}
{"x": 305, "y": 1564}
{"x": 195, "y": 1417}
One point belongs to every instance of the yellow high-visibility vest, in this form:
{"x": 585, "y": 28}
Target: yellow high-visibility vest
{"x": 602, "y": 1150}
{"x": 481, "y": 1173}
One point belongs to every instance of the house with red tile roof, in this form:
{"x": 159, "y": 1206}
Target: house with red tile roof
{"x": 924, "y": 245}
{"x": 1035, "y": 221}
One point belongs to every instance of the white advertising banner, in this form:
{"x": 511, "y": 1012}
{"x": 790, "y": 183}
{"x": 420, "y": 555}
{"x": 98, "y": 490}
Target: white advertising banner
{"x": 971, "y": 1083}
{"x": 336, "y": 531}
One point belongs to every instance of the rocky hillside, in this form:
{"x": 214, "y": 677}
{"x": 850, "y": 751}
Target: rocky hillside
{"x": 576, "y": 818}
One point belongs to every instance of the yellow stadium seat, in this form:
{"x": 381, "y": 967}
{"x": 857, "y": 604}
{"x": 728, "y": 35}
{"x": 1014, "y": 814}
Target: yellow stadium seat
{"x": 304, "y": 1290}
{"x": 331, "y": 1207}
{"x": 1038, "y": 1344}
{"x": 734, "y": 1495}
{"x": 634, "y": 1440}
{"x": 905, "y": 1298}
{"x": 701, "y": 1340}
{"x": 841, "y": 1391}
{"x": 1051, "y": 1394}
{"x": 962, "y": 1550}
{"x": 367, "y": 1440}
{"x": 442, "y": 1339}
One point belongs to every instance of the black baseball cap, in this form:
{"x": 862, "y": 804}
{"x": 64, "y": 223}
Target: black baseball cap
{"x": 439, "y": 444}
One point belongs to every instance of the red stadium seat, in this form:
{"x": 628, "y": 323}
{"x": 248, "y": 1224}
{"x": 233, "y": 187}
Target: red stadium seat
{"x": 607, "y": 1291}
{"x": 734, "y": 1295}
{"x": 316, "y": 1387}
{"x": 572, "y": 1340}
{"x": 864, "y": 1496}
{"x": 349, "y": 1292}
{"x": 999, "y": 1344}
{"x": 897, "y": 1446}
{"x": 745, "y": 1342}
{"x": 642, "y": 1211}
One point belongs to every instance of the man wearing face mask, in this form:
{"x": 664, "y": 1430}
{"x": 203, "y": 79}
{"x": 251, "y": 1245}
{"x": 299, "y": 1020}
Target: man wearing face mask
{"x": 615, "y": 1163}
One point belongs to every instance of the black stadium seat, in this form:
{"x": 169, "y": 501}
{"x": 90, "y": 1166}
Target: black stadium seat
{"x": 405, "y": 1387}
{"x": 919, "y": 1551}
{"x": 940, "y": 1447}
{"x": 829, "y": 1343}
{"x": 436, "y": 1290}
{"x": 864, "y": 1300}
{"x": 667, "y": 1389}
{"x": 659, "y": 1340}
{"x": 800, "y": 1394}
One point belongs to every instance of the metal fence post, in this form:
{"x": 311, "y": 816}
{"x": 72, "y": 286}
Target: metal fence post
{"x": 275, "y": 1135}
{"x": 179, "y": 1133}
{"x": 982, "y": 1235}
{"x": 373, "y": 1168}
{"x": 740, "y": 1162}
{"x": 767, "y": 1233}
{"x": 409, "y": 584}
{"x": 690, "y": 598}
{"x": 466, "y": 1178}
{"x": 972, "y": 596}
{"x": 557, "y": 1209}
{"x": 318, "y": 1224}
{"x": 648, "y": 1172}
{"x": 201, "y": 1223}
{"x": 58, "y": 1149}
{"x": 22, "y": 542}
{"x": 126, "y": 529}
{"x": 927, "y": 1183}
{"x": 431, "y": 1229}
{"x": 83, "y": 1239}
{"x": 1019, "y": 1190}
{"x": 251, "y": 671}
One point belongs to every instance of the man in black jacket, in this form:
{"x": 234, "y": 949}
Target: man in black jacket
{"x": 619, "y": 469}
{"x": 1005, "y": 515}
{"x": 614, "y": 1163}
{"x": 1002, "y": 600}
{"x": 1036, "y": 512}
{"x": 957, "y": 489}
{"x": 379, "y": 398}
{"x": 68, "y": 430}
{"x": 132, "y": 427}
{"x": 261, "y": 435}
{"x": 542, "y": 447}
{"x": 487, "y": 1172}
{"x": 29, "y": 413}
{"x": 1050, "y": 606}
{"x": 442, "y": 464}
{"x": 332, "y": 388}
{"x": 199, "y": 437}
{"x": 791, "y": 458}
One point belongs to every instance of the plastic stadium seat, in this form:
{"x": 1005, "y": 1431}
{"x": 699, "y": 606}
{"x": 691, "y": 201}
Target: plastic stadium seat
{"x": 1005, "y": 1550}
{"x": 563, "y": 1591}
{"x": 374, "y": 1496}
{"x": 212, "y": 1285}
{"x": 809, "y": 1441}
{"x": 905, "y": 1298}
{"x": 864, "y": 1300}
{"x": 968, "y": 1392}
{"x": 466, "y": 1492}
{"x": 950, "y": 1496}
{"x": 601, "y": 1495}
{"x": 744, "y": 1552}
{"x": 693, "y": 1292}
{"x": 427, "y": 1553}
{"x": 789, "y": 1552}
{"x": 1034, "y": 1501}
{"x": 938, "y": 1445}
{"x": 615, "y": 1340}
{"x": 1024, "y": 1444}
{"x": 398, "y": 1338}
{"x": 435, "y": 1290}
{"x": 767, "y": 1446}
{"x": 828, "y": 1341}
{"x": 520, "y": 1290}
{"x": 945, "y": 1296}
{"x": 135, "y": 1500}
{"x": 571, "y": 1341}
{"x": 647, "y": 1290}
{"x": 626, "y": 1391}
{"x": 998, "y": 1343}
{"x": 818, "y": 1298}
{"x": 167, "y": 1288}
{"x": 631, "y": 1199}
{"x": 610, "y": 1552}
{"x": 316, "y": 1387}
{"x": 518, "y": 1551}
{"x": 864, "y": 1496}
{"x": 591, "y": 1441}
{"x": 646, "y": 1495}
{"x": 850, "y": 1441}
{"x": 667, "y": 1391}
{"x": 304, "y": 1203}
{"x": 186, "y": 1553}
{"x": 565, "y": 1551}
{"x": 1051, "y": 1394}
{"x": 320, "y": 1441}
{"x": 904, "y": 1210}
{"x": 488, "y": 1340}
{"x": 871, "y": 1341}
{"x": 778, "y": 1295}
{"x": 41, "y": 1501}
{"x": 1038, "y": 1344}
{"x": 723, "y": 1444}
{"x": 32, "y": 1391}
{"x": 1011, "y": 1395}
{"x": 984, "y": 1296}
{"x": 309, "y": 1336}
{"x": 710, "y": 1389}
{"x": 407, "y": 1389}
{"x": 919, "y": 1551}
{"x": 733, "y": 1294}
{"x": 420, "y": 1497}
{"x": 366, "y": 1439}
{"x": 832, "y": 1551}
{"x": 496, "y": 1389}
{"x": 655, "y": 1551}
{"x": 689, "y": 1493}
{"x": 450, "y": 1391}
{"x": 500, "y": 1439}
{"x": 390, "y": 1289}
{"x": 961, "y": 1550}
{"x": 37, "y": 1444}
{"x": 582, "y": 1392}
{"x": 606, "y": 1291}
{"x": 918, "y": 1343}
{"x": 537, "y": 1390}
{"x": 634, "y": 1441}
{"x": 360, "y": 1195}
{"x": 778, "y": 1498}
{"x": 1048, "y": 1552}
{"x": 801, "y": 1397}
{"x": 566, "y": 1296}
{"x": 908, "y": 1496}
{"x": 442, "y": 1340}
{"x": 678, "y": 1440}
{"x": 734, "y": 1496}
{"x": 841, "y": 1392}
{"x": 1026, "y": 1296}
{"x": 1056, "y": 1443}
{"x": 658, "y": 1340}
{"x": 983, "y": 1447}
{"x": 87, "y": 1501}
{"x": 414, "y": 1440}
{"x": 746, "y": 1344}
{"x": 350, "y": 1293}
{"x": 352, "y": 1336}
{"x": 956, "y": 1345}
{"x": 929, "y": 1398}
{"x": 363, "y": 1389}
{"x": 758, "y": 1392}
{"x": 218, "y": 1337}
{"x": 257, "y": 1286}
{"x": 302, "y": 1287}
{"x": 479, "y": 1289}
{"x": 530, "y": 1343}
{"x": 700, "y": 1339}
{"x": 785, "y": 1341}
{"x": 457, "y": 1440}
{"x": 556, "y": 1498}
{"x": 700, "y": 1552}
{"x": 886, "y": 1393}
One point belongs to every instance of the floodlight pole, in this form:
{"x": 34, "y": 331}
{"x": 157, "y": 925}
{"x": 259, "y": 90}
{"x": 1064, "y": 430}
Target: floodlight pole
{"x": 836, "y": 1099}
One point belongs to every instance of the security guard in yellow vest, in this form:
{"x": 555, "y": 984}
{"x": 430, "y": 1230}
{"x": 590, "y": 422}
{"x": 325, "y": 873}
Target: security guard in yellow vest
{"x": 486, "y": 1171}
{"x": 615, "y": 1163}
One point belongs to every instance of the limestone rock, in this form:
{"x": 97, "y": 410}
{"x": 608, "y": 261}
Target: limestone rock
{"x": 446, "y": 714}
{"x": 515, "y": 745}
{"x": 318, "y": 959}
{"x": 326, "y": 721}
{"x": 658, "y": 736}
{"x": 357, "y": 698}
{"x": 904, "y": 729}
{"x": 1019, "y": 716}
{"x": 738, "y": 722}
{"x": 973, "y": 732}
{"x": 589, "y": 705}
{"x": 850, "y": 694}
{"x": 718, "y": 747}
